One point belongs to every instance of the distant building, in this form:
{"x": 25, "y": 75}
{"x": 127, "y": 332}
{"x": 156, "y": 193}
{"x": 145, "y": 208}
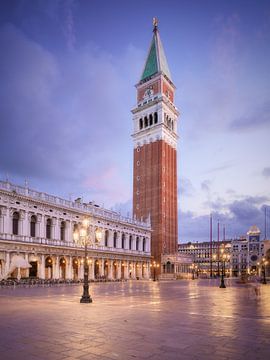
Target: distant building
{"x": 204, "y": 257}
{"x": 246, "y": 254}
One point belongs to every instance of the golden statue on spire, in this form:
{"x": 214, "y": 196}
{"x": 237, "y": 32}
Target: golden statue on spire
{"x": 155, "y": 22}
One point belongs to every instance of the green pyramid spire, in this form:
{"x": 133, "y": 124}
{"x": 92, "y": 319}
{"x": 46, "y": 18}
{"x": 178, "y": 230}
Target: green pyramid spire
{"x": 156, "y": 60}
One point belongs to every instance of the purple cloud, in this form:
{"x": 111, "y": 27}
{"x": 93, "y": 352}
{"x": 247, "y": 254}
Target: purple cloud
{"x": 260, "y": 117}
{"x": 66, "y": 115}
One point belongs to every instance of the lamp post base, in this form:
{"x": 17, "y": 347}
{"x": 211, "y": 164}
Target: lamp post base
{"x": 86, "y": 299}
{"x": 222, "y": 284}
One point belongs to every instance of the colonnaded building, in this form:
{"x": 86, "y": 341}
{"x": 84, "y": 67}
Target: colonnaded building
{"x": 37, "y": 228}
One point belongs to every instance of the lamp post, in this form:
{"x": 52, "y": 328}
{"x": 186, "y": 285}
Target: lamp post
{"x": 154, "y": 265}
{"x": 224, "y": 258}
{"x": 86, "y": 236}
{"x": 193, "y": 271}
{"x": 264, "y": 263}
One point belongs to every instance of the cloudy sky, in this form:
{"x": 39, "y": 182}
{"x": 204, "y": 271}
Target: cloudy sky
{"x": 68, "y": 70}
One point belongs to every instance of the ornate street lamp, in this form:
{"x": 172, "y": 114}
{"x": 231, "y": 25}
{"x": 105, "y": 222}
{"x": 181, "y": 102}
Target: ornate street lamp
{"x": 154, "y": 265}
{"x": 264, "y": 263}
{"x": 193, "y": 271}
{"x": 224, "y": 258}
{"x": 85, "y": 236}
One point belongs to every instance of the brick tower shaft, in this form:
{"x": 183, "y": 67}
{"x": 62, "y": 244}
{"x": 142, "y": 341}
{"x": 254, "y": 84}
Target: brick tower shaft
{"x": 155, "y": 151}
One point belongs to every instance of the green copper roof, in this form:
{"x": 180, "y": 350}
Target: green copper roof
{"x": 156, "y": 60}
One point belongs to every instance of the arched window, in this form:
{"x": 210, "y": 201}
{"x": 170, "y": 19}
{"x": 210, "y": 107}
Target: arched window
{"x": 62, "y": 230}
{"x": 130, "y": 242}
{"x": 114, "y": 239}
{"x": 150, "y": 119}
{"x": 15, "y": 223}
{"x": 145, "y": 121}
{"x": 48, "y": 228}
{"x": 155, "y": 118}
{"x": 123, "y": 241}
{"x": 141, "y": 123}
{"x": 143, "y": 244}
{"x": 106, "y": 237}
{"x": 137, "y": 243}
{"x": 33, "y": 222}
{"x": 172, "y": 125}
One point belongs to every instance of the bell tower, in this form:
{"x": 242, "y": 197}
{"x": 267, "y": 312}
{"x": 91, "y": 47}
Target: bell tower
{"x": 155, "y": 150}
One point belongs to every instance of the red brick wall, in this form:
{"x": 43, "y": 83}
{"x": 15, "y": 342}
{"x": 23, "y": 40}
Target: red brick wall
{"x": 157, "y": 167}
{"x": 155, "y": 86}
{"x": 166, "y": 88}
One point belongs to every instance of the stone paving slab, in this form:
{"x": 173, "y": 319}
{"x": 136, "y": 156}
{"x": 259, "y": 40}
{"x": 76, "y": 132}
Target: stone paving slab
{"x": 136, "y": 320}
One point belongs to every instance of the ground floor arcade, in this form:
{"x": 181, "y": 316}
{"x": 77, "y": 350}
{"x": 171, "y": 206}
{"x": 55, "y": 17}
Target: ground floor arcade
{"x": 48, "y": 263}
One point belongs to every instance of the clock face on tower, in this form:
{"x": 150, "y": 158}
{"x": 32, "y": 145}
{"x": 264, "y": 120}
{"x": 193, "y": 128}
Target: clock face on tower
{"x": 148, "y": 93}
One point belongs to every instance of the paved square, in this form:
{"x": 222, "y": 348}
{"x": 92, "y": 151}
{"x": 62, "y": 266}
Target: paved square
{"x": 136, "y": 320}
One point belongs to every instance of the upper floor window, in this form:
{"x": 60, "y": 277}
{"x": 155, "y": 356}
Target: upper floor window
{"x": 15, "y": 223}
{"x": 150, "y": 119}
{"x": 123, "y": 241}
{"x": 137, "y": 243}
{"x": 33, "y": 226}
{"x": 106, "y": 237}
{"x": 114, "y": 239}
{"x": 145, "y": 121}
{"x": 143, "y": 244}
{"x": 155, "y": 117}
{"x": 130, "y": 242}
{"x": 141, "y": 123}
{"x": 48, "y": 228}
{"x": 62, "y": 230}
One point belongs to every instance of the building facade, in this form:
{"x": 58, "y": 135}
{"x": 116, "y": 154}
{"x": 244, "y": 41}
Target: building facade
{"x": 246, "y": 255}
{"x": 248, "y": 252}
{"x": 155, "y": 151}
{"x": 38, "y": 228}
{"x": 207, "y": 256}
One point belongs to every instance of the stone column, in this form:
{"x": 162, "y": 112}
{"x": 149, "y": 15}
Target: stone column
{"x": 118, "y": 270}
{"x": 133, "y": 243}
{"x": 110, "y": 238}
{"x": 42, "y": 232}
{"x": 80, "y": 270}
{"x": 6, "y": 220}
{"x": 22, "y": 222}
{"x": 1, "y": 221}
{"x": 26, "y": 224}
{"x": 146, "y": 271}
{"x": 126, "y": 274}
{"x": 140, "y": 270}
{"x": 92, "y": 269}
{"x": 110, "y": 272}
{"x": 118, "y": 240}
{"x": 69, "y": 269}
{"x": 56, "y": 268}
{"x": 26, "y": 270}
{"x": 133, "y": 274}
{"x": 42, "y": 267}
{"x": 7, "y": 263}
{"x": 69, "y": 234}
{"x": 55, "y": 232}
{"x": 38, "y": 225}
{"x": 102, "y": 241}
{"x": 101, "y": 267}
